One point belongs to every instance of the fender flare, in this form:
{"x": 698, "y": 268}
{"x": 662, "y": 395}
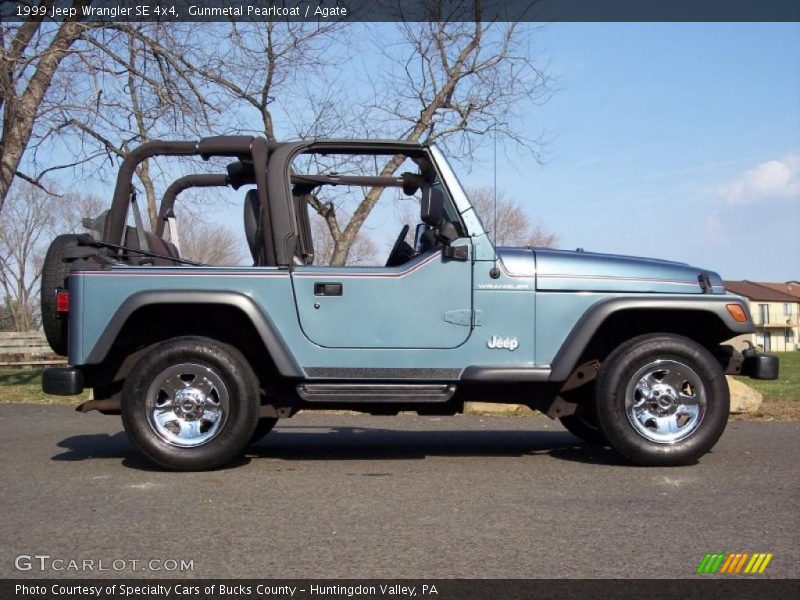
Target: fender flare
{"x": 264, "y": 326}
{"x": 577, "y": 340}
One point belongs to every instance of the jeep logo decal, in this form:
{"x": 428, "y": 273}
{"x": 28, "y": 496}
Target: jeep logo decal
{"x": 501, "y": 343}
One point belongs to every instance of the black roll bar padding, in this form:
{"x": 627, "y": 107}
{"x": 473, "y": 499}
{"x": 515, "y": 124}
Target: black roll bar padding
{"x": 222, "y": 145}
{"x": 412, "y": 182}
{"x": 225, "y": 145}
{"x": 178, "y": 186}
{"x": 280, "y": 194}
{"x": 241, "y": 173}
{"x": 260, "y": 152}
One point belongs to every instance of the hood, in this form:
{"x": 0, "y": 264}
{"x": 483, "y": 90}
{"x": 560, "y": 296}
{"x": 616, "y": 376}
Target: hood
{"x": 567, "y": 270}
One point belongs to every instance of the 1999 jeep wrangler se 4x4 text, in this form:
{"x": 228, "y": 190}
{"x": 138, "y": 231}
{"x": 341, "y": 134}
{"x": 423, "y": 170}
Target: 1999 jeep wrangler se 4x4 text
{"x": 202, "y": 360}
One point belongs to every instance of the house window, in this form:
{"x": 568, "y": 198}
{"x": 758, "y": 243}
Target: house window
{"x": 789, "y": 339}
{"x": 763, "y": 311}
{"x": 767, "y": 342}
{"x": 787, "y": 309}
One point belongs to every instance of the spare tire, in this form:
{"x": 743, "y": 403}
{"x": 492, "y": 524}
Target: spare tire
{"x": 54, "y": 277}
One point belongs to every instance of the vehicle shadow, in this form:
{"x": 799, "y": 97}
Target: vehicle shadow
{"x": 103, "y": 446}
{"x": 367, "y": 443}
{"x": 112, "y": 446}
{"x": 310, "y": 443}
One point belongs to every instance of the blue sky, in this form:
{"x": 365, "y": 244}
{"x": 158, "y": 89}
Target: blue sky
{"x": 679, "y": 141}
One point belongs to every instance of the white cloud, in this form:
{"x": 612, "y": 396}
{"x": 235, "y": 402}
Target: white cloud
{"x": 773, "y": 179}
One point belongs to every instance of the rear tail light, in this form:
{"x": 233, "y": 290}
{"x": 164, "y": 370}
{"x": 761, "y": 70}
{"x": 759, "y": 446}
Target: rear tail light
{"x": 62, "y": 302}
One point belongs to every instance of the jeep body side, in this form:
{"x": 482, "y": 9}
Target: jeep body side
{"x": 450, "y": 320}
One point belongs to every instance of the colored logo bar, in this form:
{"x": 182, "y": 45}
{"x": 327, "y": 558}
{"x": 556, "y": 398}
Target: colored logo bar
{"x": 734, "y": 562}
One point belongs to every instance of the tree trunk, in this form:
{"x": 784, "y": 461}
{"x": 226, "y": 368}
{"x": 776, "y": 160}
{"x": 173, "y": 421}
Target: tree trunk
{"x": 143, "y": 172}
{"x": 20, "y": 113}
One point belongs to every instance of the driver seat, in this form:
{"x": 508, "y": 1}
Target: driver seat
{"x": 432, "y": 215}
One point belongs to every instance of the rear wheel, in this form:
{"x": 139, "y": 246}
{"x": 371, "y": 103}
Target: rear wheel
{"x": 662, "y": 399}
{"x": 190, "y": 404}
{"x": 54, "y": 277}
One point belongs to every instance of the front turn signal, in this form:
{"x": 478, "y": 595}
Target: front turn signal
{"x": 737, "y": 312}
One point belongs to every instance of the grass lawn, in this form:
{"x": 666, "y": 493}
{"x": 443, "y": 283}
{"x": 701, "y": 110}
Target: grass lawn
{"x": 25, "y": 385}
{"x": 787, "y": 386}
{"x": 781, "y": 396}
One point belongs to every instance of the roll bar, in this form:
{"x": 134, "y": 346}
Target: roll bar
{"x": 255, "y": 149}
{"x": 278, "y": 225}
{"x": 178, "y": 186}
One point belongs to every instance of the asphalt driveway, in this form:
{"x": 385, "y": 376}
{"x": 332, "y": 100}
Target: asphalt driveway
{"x": 357, "y": 496}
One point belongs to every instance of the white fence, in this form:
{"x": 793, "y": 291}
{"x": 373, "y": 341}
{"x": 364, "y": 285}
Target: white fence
{"x": 26, "y": 348}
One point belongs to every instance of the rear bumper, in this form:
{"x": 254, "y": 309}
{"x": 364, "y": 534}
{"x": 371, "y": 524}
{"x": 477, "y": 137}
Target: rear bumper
{"x": 62, "y": 381}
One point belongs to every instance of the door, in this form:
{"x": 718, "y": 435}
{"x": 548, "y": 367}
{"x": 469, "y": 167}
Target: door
{"x": 424, "y": 303}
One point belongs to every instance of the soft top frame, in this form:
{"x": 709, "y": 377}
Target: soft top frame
{"x": 279, "y": 227}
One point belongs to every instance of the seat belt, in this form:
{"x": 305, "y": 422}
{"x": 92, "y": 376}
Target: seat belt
{"x": 172, "y": 224}
{"x": 137, "y": 218}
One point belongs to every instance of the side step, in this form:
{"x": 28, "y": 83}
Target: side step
{"x": 376, "y": 392}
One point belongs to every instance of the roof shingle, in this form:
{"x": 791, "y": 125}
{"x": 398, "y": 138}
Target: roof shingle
{"x": 759, "y": 291}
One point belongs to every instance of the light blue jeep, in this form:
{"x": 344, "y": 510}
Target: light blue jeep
{"x": 201, "y": 360}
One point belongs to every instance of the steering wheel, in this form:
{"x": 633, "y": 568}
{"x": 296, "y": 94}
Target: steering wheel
{"x": 401, "y": 251}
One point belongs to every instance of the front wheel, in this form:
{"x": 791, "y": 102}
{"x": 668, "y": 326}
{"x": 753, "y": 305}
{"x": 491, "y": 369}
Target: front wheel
{"x": 583, "y": 424}
{"x": 264, "y": 426}
{"x": 662, "y": 399}
{"x": 190, "y": 404}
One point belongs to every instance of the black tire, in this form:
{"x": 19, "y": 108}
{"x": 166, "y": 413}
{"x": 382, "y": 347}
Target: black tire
{"x": 263, "y": 427}
{"x": 167, "y": 411}
{"x": 662, "y": 400}
{"x": 583, "y": 424}
{"x": 54, "y": 276}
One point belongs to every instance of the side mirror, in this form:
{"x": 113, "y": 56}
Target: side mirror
{"x": 432, "y": 206}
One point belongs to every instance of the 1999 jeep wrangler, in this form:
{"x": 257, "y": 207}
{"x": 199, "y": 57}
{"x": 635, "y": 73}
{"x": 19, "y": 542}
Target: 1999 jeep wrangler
{"x": 202, "y": 360}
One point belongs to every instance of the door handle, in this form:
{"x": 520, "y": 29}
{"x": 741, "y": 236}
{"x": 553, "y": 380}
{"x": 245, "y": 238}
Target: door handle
{"x": 327, "y": 289}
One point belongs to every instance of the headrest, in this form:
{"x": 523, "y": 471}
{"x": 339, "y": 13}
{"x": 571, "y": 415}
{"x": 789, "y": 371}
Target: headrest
{"x": 432, "y": 206}
{"x": 252, "y": 216}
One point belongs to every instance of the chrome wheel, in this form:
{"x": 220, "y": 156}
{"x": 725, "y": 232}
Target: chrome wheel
{"x": 665, "y": 401}
{"x": 187, "y": 405}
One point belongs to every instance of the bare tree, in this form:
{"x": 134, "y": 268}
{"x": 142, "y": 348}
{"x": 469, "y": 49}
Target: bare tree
{"x": 449, "y": 83}
{"x": 27, "y": 217}
{"x": 254, "y": 67}
{"x": 124, "y": 93}
{"x": 363, "y": 252}
{"x": 208, "y": 243}
{"x": 514, "y": 227}
{"x": 445, "y": 82}
{"x": 27, "y": 224}
{"x": 30, "y": 55}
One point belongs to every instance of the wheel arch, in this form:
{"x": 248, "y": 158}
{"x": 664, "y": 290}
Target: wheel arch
{"x": 611, "y": 322}
{"x": 179, "y": 308}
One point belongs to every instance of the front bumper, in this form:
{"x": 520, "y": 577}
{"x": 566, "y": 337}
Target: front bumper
{"x": 751, "y": 364}
{"x": 62, "y": 381}
{"x": 760, "y": 366}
